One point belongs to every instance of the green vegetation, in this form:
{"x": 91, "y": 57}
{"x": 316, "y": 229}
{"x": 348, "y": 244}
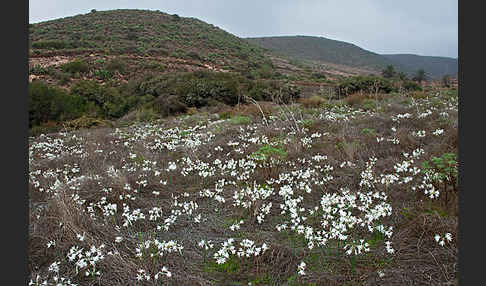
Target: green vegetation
{"x": 240, "y": 120}
{"x": 143, "y": 32}
{"x": 436, "y": 67}
{"x": 268, "y": 152}
{"x": 388, "y": 72}
{"x": 53, "y": 104}
{"x": 322, "y": 49}
{"x": 443, "y": 172}
{"x": 342, "y": 53}
{"x": 368, "y": 84}
{"x": 420, "y": 76}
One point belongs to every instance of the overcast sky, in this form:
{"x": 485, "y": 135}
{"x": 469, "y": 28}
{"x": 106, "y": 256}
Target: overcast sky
{"x": 422, "y": 27}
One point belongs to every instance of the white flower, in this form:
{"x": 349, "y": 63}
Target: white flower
{"x": 448, "y": 236}
{"x": 51, "y": 243}
{"x": 438, "y": 132}
{"x": 172, "y": 166}
{"x": 301, "y": 268}
{"x": 54, "y": 267}
{"x": 81, "y": 237}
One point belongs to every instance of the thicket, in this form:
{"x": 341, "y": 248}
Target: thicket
{"x": 48, "y": 103}
{"x": 86, "y": 98}
{"x": 368, "y": 84}
{"x": 165, "y": 95}
{"x": 373, "y": 84}
{"x": 61, "y": 44}
{"x": 200, "y": 88}
{"x": 75, "y": 67}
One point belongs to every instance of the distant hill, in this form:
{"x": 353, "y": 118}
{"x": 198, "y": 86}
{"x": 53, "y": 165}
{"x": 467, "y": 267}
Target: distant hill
{"x": 321, "y": 49}
{"x": 436, "y": 67}
{"x": 131, "y": 31}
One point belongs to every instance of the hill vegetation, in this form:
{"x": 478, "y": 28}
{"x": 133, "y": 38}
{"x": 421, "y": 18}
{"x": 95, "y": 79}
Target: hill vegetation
{"x": 337, "y": 52}
{"x": 322, "y": 49}
{"x": 143, "y": 32}
{"x": 435, "y": 67}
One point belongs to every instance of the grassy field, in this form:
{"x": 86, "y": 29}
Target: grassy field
{"x": 356, "y": 191}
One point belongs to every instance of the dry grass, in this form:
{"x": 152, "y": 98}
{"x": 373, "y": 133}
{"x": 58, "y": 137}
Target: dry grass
{"x": 418, "y": 258}
{"x": 312, "y": 102}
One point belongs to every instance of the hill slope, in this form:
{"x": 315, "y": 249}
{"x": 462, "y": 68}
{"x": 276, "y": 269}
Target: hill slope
{"x": 436, "y": 67}
{"x": 127, "y": 31}
{"x": 341, "y": 53}
{"x": 322, "y": 49}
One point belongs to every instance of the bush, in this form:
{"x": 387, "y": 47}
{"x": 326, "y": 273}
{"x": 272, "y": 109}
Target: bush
{"x": 193, "y": 55}
{"x": 195, "y": 89}
{"x": 53, "y": 104}
{"x": 370, "y": 84}
{"x": 240, "y": 120}
{"x": 75, "y": 67}
{"x": 108, "y": 100}
{"x": 146, "y": 115}
{"x": 64, "y": 78}
{"x": 115, "y": 65}
{"x": 38, "y": 70}
{"x": 409, "y": 85}
{"x": 314, "y": 102}
{"x": 273, "y": 90}
{"x": 51, "y": 44}
{"x": 86, "y": 122}
{"x": 168, "y": 105}
{"x": 103, "y": 74}
{"x": 318, "y": 75}
{"x": 355, "y": 99}
{"x": 369, "y": 104}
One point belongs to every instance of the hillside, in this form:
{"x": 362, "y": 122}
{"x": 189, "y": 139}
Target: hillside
{"x": 322, "y": 50}
{"x": 436, "y": 67}
{"x": 331, "y": 52}
{"x": 143, "y": 32}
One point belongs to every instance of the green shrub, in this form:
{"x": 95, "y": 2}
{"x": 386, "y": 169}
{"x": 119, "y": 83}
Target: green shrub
{"x": 443, "y": 174}
{"x": 51, "y": 44}
{"x": 409, "y": 85}
{"x": 108, "y": 100}
{"x": 75, "y": 67}
{"x": 53, "y": 104}
{"x": 195, "y": 89}
{"x": 38, "y": 70}
{"x": 103, "y": 74}
{"x": 168, "y": 105}
{"x": 146, "y": 115}
{"x": 64, "y": 78}
{"x": 368, "y": 84}
{"x": 115, "y": 65}
{"x": 368, "y": 131}
{"x": 240, "y": 120}
{"x": 369, "y": 104}
{"x": 266, "y": 152}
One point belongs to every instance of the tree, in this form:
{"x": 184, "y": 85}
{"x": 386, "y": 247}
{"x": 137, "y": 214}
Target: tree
{"x": 402, "y": 76}
{"x": 388, "y": 72}
{"x": 420, "y": 76}
{"x": 446, "y": 81}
